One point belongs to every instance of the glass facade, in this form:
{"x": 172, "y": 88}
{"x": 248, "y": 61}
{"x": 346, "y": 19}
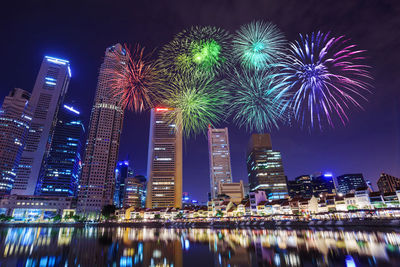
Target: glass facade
{"x": 348, "y": 182}
{"x": 61, "y": 171}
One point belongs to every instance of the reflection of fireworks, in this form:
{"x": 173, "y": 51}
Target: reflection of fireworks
{"x": 324, "y": 78}
{"x": 198, "y": 49}
{"x": 133, "y": 81}
{"x": 258, "y": 44}
{"x": 199, "y": 102}
{"x": 255, "y": 102}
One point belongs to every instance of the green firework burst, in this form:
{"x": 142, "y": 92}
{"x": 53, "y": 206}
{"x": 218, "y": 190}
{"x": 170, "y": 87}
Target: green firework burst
{"x": 199, "y": 101}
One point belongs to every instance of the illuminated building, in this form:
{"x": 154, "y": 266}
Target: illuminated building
{"x": 234, "y": 190}
{"x": 63, "y": 164}
{"x": 388, "y": 183}
{"x": 122, "y": 171}
{"x": 265, "y": 168}
{"x": 48, "y": 93}
{"x": 301, "y": 186}
{"x": 15, "y": 117}
{"x": 98, "y": 171}
{"x": 323, "y": 184}
{"x": 164, "y": 187}
{"x": 220, "y": 159}
{"x": 349, "y": 182}
{"x": 134, "y": 191}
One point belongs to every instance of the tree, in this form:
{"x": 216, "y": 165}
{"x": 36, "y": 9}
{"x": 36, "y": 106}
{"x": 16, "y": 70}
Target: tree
{"x": 108, "y": 210}
{"x": 220, "y": 214}
{"x": 179, "y": 215}
{"x": 56, "y": 218}
{"x": 5, "y": 218}
{"x": 157, "y": 216}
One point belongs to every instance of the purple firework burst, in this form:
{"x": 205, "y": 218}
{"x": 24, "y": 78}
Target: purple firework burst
{"x": 325, "y": 76}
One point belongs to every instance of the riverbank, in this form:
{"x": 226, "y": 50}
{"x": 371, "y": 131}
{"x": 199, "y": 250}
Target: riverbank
{"x": 386, "y": 223}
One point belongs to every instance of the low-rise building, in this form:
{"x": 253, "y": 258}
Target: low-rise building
{"x": 255, "y": 198}
{"x": 234, "y": 190}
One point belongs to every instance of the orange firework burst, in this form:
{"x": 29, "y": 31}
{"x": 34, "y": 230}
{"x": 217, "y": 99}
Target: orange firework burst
{"x": 132, "y": 79}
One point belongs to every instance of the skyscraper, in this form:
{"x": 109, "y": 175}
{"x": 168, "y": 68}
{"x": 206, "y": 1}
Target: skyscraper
{"x": 322, "y": 184}
{"x": 63, "y": 165}
{"x": 348, "y": 182}
{"x": 122, "y": 171}
{"x": 388, "y": 183}
{"x": 134, "y": 191}
{"x": 164, "y": 165}
{"x": 98, "y": 172}
{"x": 265, "y": 168}
{"x": 15, "y": 118}
{"x": 220, "y": 159}
{"x": 48, "y": 93}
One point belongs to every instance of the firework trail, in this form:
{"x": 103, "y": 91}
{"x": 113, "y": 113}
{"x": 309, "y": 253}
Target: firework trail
{"x": 256, "y": 103}
{"x": 132, "y": 79}
{"x": 199, "y": 101}
{"x": 196, "y": 51}
{"x": 324, "y": 77}
{"x": 258, "y": 44}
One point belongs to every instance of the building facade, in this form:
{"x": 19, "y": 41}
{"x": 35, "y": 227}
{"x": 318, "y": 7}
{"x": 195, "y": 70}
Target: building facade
{"x": 234, "y": 190}
{"x": 98, "y": 172}
{"x": 48, "y": 93}
{"x": 323, "y": 184}
{"x": 388, "y": 183}
{"x": 134, "y": 192}
{"x": 15, "y": 118}
{"x": 164, "y": 169}
{"x": 265, "y": 168}
{"x": 62, "y": 167}
{"x": 219, "y": 158}
{"x": 122, "y": 171}
{"x": 349, "y": 182}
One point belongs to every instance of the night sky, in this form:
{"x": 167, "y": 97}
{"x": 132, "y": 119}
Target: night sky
{"x": 80, "y": 32}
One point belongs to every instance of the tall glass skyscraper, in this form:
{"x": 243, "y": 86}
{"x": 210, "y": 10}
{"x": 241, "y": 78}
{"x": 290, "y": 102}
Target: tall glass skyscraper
{"x": 63, "y": 164}
{"x": 265, "y": 168}
{"x": 98, "y": 171}
{"x": 48, "y": 93}
{"x": 164, "y": 165}
{"x": 348, "y": 182}
{"x": 122, "y": 171}
{"x": 15, "y": 118}
{"x": 219, "y": 158}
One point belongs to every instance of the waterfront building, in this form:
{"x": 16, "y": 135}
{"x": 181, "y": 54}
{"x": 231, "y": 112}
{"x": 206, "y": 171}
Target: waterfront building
{"x": 293, "y": 188}
{"x": 388, "y": 183}
{"x": 98, "y": 171}
{"x": 122, "y": 171}
{"x": 349, "y": 182}
{"x": 234, "y": 190}
{"x": 164, "y": 169}
{"x": 62, "y": 167}
{"x": 265, "y": 168}
{"x": 362, "y": 199}
{"x": 36, "y": 208}
{"x": 134, "y": 192}
{"x": 219, "y": 158}
{"x": 323, "y": 184}
{"x": 48, "y": 93}
{"x": 301, "y": 186}
{"x": 15, "y": 118}
{"x": 256, "y": 197}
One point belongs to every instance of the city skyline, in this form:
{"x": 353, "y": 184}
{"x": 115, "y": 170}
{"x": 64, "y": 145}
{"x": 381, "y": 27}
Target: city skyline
{"x": 301, "y": 154}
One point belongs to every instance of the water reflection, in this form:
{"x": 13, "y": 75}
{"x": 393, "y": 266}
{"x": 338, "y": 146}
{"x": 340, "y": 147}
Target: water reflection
{"x": 195, "y": 247}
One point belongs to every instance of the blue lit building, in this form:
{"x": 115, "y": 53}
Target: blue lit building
{"x": 122, "y": 171}
{"x": 348, "y": 182}
{"x": 61, "y": 171}
{"x": 323, "y": 184}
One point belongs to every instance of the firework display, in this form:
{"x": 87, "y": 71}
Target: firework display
{"x": 258, "y": 44}
{"x": 324, "y": 77}
{"x": 257, "y": 102}
{"x": 133, "y": 82}
{"x": 198, "y": 50}
{"x": 197, "y": 102}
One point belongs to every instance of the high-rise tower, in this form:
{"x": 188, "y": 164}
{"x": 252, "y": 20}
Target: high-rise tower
{"x": 15, "y": 118}
{"x": 264, "y": 167}
{"x": 63, "y": 165}
{"x": 164, "y": 165}
{"x": 48, "y": 93}
{"x": 98, "y": 171}
{"x": 220, "y": 159}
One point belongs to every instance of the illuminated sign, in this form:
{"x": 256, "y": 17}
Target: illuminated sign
{"x": 56, "y": 60}
{"x": 72, "y": 109}
{"x": 162, "y": 109}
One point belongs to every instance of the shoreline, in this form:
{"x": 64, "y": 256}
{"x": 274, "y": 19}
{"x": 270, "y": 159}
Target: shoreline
{"x": 377, "y": 224}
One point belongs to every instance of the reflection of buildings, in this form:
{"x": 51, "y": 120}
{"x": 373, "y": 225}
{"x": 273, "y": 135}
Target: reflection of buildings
{"x": 166, "y": 254}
